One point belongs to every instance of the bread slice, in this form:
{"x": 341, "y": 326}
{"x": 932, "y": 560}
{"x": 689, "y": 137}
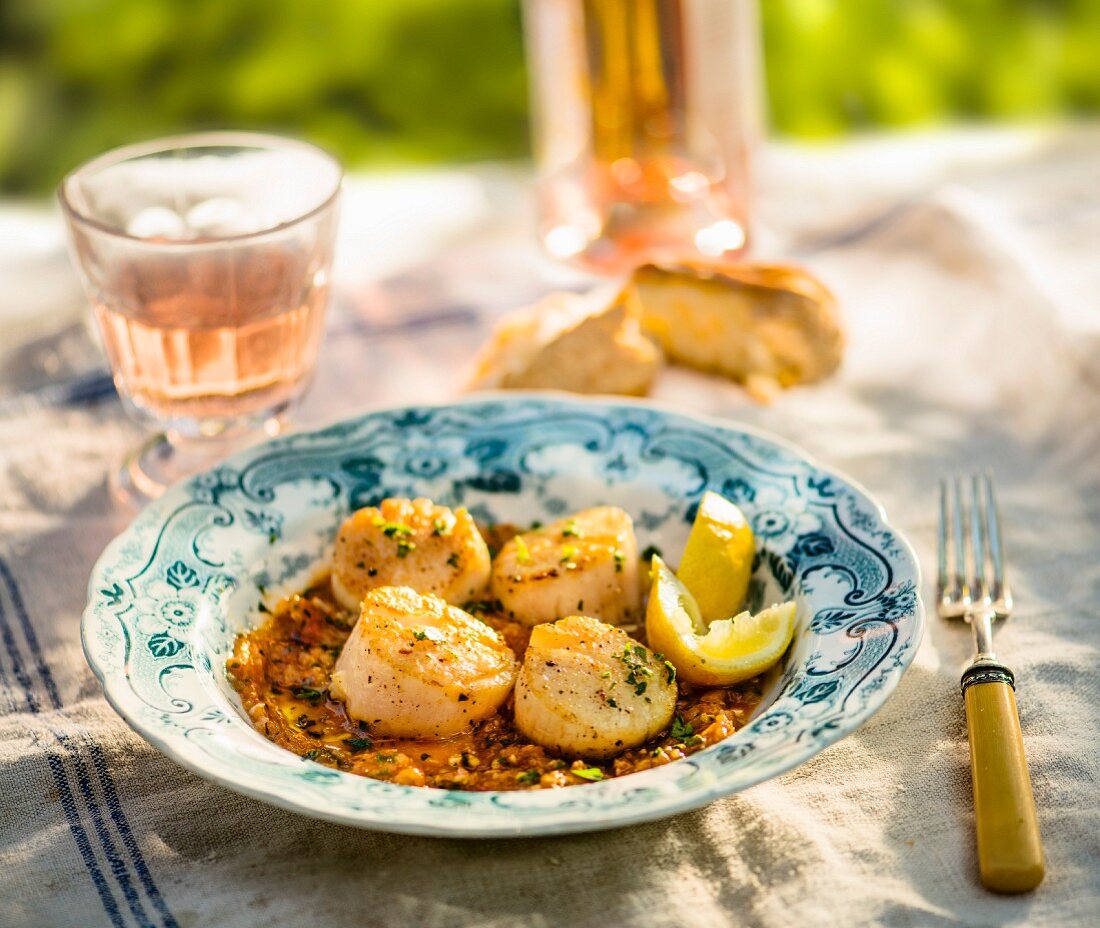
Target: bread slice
{"x": 764, "y": 325}
{"x": 585, "y": 344}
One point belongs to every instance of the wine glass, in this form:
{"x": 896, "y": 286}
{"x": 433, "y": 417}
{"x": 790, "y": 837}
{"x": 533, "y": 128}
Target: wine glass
{"x": 206, "y": 259}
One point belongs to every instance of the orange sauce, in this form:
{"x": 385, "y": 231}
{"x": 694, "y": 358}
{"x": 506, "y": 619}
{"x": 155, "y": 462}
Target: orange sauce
{"x": 282, "y": 668}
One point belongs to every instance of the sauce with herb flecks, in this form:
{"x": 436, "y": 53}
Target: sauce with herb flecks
{"x": 282, "y": 668}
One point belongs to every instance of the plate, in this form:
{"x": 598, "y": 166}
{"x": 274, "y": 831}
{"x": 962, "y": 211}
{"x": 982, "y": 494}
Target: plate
{"x": 168, "y": 596}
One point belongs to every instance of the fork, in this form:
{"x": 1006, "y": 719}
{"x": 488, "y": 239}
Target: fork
{"x": 971, "y": 585}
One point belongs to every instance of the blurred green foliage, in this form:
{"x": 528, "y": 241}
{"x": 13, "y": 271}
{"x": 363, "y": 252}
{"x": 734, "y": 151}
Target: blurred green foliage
{"x": 837, "y": 65}
{"x": 428, "y": 80}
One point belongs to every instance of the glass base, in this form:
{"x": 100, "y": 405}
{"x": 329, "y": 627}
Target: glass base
{"x": 165, "y": 458}
{"x": 632, "y": 235}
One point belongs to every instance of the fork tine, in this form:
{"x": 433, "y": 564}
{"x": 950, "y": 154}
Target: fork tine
{"x": 943, "y": 583}
{"x": 979, "y": 589}
{"x": 959, "y": 542}
{"x": 999, "y": 589}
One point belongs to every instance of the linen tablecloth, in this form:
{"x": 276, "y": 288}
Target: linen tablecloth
{"x": 966, "y": 266}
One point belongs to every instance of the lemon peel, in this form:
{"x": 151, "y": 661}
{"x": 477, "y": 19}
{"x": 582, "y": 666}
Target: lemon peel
{"x": 717, "y": 562}
{"x": 718, "y": 653}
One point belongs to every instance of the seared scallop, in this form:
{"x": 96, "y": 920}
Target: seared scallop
{"x": 416, "y": 667}
{"x": 587, "y": 563}
{"x": 589, "y": 689}
{"x": 412, "y": 543}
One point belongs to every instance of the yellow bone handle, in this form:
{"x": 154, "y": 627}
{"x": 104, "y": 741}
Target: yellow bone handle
{"x": 1010, "y": 852}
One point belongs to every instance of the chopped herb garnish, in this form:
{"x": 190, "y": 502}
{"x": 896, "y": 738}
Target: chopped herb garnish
{"x": 312, "y": 755}
{"x": 358, "y": 745}
{"x": 636, "y": 660}
{"x": 568, "y": 552}
{"x": 680, "y": 729}
{"x": 262, "y": 608}
{"x": 420, "y": 636}
{"x": 611, "y": 702}
{"x": 479, "y": 607}
{"x": 588, "y": 773}
{"x": 570, "y": 530}
{"x": 650, "y": 552}
{"x": 523, "y": 553}
{"x": 372, "y": 572}
{"x": 528, "y": 777}
{"x": 337, "y": 621}
{"x": 452, "y": 560}
{"x": 620, "y": 559}
{"x": 442, "y": 528}
{"x": 390, "y": 529}
{"x": 404, "y": 546}
{"x": 308, "y": 693}
{"x": 671, "y": 671}
{"x": 693, "y": 741}
{"x": 386, "y": 758}
{"x": 428, "y": 633}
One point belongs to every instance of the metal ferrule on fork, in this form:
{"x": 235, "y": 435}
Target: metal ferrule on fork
{"x": 987, "y": 672}
{"x": 985, "y": 668}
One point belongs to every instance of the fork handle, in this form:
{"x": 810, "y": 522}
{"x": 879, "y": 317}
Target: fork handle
{"x": 1010, "y": 851}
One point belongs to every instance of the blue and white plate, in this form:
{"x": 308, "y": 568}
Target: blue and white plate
{"x": 169, "y": 595}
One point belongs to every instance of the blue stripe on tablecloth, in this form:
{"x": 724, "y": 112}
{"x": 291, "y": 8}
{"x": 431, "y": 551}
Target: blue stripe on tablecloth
{"x": 118, "y": 816}
{"x": 68, "y": 803}
{"x": 100, "y": 768}
{"x": 117, "y": 863}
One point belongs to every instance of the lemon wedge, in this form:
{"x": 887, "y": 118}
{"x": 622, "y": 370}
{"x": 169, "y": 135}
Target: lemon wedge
{"x": 717, "y": 562}
{"x": 719, "y": 653}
